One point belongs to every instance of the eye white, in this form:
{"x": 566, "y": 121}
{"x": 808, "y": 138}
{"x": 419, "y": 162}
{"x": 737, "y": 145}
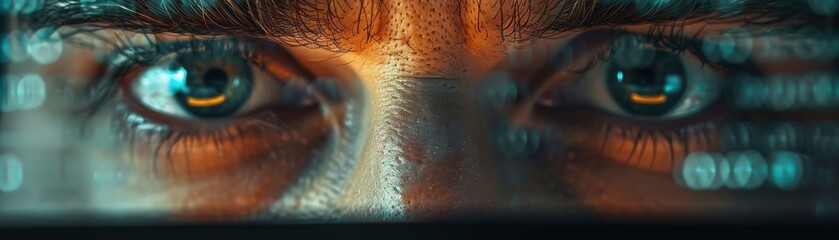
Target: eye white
{"x": 153, "y": 88}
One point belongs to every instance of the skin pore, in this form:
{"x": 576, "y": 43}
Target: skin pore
{"x": 427, "y": 148}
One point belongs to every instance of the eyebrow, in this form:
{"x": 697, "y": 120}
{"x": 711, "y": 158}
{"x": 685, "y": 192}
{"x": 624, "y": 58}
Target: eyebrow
{"x": 317, "y": 22}
{"x": 586, "y": 14}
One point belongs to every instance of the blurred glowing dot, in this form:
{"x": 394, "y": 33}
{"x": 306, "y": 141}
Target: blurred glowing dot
{"x": 45, "y": 46}
{"x": 769, "y": 49}
{"x": 749, "y": 92}
{"x": 19, "y": 5}
{"x": 11, "y": 100}
{"x": 711, "y": 49}
{"x": 782, "y": 136}
{"x": 787, "y": 170}
{"x": 824, "y": 7}
{"x": 518, "y": 141}
{"x": 748, "y": 170}
{"x": 28, "y": 6}
{"x": 735, "y": 46}
{"x": 782, "y": 93}
{"x": 4, "y": 57}
{"x": 699, "y": 171}
{"x": 15, "y": 45}
{"x": 499, "y": 90}
{"x": 813, "y": 44}
{"x": 32, "y": 91}
{"x": 11, "y": 173}
{"x": 737, "y": 136}
{"x": 723, "y": 169}
{"x": 6, "y": 7}
{"x": 822, "y": 90}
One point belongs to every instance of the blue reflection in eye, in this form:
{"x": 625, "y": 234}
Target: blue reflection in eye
{"x": 177, "y": 79}
{"x": 151, "y": 89}
{"x": 620, "y": 76}
{"x": 672, "y": 84}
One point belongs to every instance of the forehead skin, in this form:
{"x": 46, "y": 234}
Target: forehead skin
{"x": 432, "y": 38}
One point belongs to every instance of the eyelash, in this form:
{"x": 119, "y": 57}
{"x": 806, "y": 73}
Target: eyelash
{"x": 693, "y": 130}
{"x": 128, "y": 54}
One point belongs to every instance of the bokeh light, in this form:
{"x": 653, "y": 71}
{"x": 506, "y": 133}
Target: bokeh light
{"x": 824, "y": 7}
{"x": 517, "y": 141}
{"x": 14, "y": 46}
{"x": 45, "y": 46}
{"x": 33, "y": 89}
{"x": 498, "y": 90}
{"x": 787, "y": 170}
{"x": 11, "y": 173}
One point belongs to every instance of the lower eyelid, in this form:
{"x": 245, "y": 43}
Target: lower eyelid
{"x": 652, "y": 146}
{"x": 228, "y": 171}
{"x": 656, "y": 150}
{"x": 193, "y": 154}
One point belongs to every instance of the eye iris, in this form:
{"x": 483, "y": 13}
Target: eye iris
{"x": 644, "y": 87}
{"x": 212, "y": 89}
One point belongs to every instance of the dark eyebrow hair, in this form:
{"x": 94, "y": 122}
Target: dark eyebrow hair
{"x": 320, "y": 22}
{"x": 306, "y": 21}
{"x": 573, "y": 15}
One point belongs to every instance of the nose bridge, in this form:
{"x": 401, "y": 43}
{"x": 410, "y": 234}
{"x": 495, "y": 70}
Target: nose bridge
{"x": 424, "y": 130}
{"x": 424, "y": 143}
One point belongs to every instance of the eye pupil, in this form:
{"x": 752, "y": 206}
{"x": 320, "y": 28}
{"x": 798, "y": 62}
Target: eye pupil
{"x": 216, "y": 92}
{"x": 216, "y": 79}
{"x": 650, "y": 89}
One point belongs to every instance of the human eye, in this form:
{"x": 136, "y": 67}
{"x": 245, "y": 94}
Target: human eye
{"x": 624, "y": 118}
{"x": 191, "y": 126}
{"x": 644, "y": 82}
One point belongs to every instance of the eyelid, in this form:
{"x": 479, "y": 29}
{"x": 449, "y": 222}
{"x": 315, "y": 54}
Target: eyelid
{"x": 272, "y": 65}
{"x": 702, "y": 85}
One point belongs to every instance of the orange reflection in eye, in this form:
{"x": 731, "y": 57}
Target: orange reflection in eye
{"x": 644, "y": 99}
{"x": 205, "y": 102}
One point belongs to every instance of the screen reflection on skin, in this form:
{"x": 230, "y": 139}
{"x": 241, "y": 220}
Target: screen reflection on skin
{"x": 406, "y": 110}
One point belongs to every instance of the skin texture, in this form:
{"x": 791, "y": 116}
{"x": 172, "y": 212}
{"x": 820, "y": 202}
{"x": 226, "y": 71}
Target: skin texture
{"x": 426, "y": 154}
{"x": 425, "y": 142}
{"x": 426, "y": 146}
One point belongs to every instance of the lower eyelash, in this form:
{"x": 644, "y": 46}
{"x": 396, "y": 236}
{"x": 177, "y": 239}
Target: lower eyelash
{"x": 654, "y": 146}
{"x": 195, "y": 153}
{"x": 228, "y": 171}
{"x": 651, "y": 148}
